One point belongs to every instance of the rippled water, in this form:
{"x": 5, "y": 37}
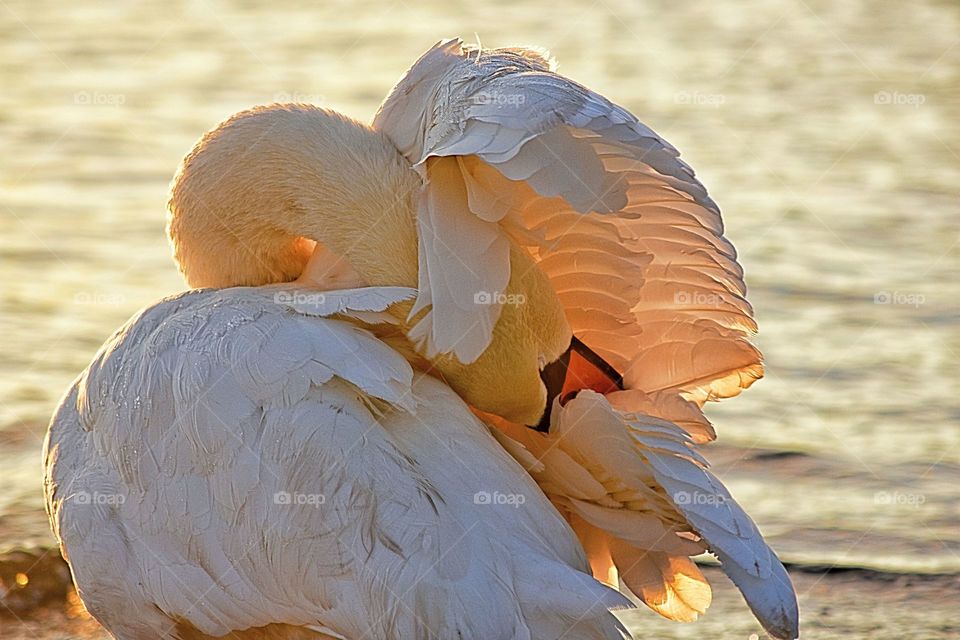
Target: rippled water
{"x": 828, "y": 132}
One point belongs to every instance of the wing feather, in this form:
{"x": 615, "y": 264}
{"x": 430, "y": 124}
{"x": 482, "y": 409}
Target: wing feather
{"x": 627, "y": 234}
{"x": 455, "y": 245}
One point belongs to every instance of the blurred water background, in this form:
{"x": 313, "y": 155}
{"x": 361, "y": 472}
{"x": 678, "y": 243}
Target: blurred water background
{"x": 828, "y": 132}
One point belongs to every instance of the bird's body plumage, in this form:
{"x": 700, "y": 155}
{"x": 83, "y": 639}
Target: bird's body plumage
{"x": 288, "y": 465}
{"x": 228, "y": 463}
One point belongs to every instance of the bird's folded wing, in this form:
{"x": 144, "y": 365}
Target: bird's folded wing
{"x": 237, "y": 433}
{"x": 630, "y": 239}
{"x": 266, "y": 466}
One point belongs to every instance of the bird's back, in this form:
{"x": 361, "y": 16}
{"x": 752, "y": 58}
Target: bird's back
{"x": 228, "y": 462}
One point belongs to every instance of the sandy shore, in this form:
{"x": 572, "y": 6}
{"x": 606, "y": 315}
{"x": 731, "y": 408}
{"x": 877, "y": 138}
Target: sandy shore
{"x": 846, "y": 604}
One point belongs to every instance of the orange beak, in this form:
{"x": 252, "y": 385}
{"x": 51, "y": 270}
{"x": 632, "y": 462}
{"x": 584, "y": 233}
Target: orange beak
{"x": 577, "y": 369}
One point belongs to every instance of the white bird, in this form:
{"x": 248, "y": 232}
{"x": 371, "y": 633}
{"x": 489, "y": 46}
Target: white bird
{"x": 272, "y": 461}
{"x": 527, "y": 172}
{"x": 571, "y": 274}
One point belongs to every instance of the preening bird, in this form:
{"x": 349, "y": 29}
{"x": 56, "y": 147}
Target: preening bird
{"x": 503, "y": 246}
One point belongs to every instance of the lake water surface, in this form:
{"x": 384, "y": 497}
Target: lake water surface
{"x": 828, "y": 132}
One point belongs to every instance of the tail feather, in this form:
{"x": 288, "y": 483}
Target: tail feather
{"x": 671, "y": 585}
{"x": 650, "y": 451}
{"x": 641, "y": 499}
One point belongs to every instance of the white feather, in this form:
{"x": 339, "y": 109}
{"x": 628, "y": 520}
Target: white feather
{"x": 228, "y": 461}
